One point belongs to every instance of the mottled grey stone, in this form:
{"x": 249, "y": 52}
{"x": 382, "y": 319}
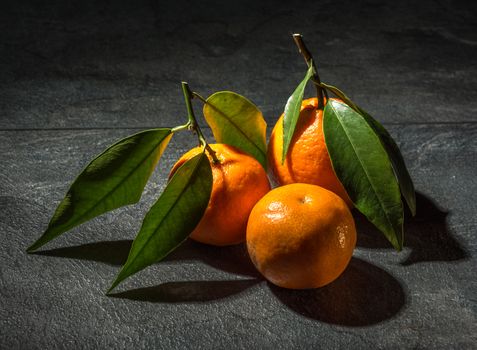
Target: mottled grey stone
{"x": 205, "y": 297}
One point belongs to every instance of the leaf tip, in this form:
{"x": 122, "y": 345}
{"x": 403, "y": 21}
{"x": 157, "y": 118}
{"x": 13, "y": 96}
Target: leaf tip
{"x": 412, "y": 206}
{"x": 120, "y": 277}
{"x": 34, "y": 246}
{"x": 113, "y": 285}
{"x": 40, "y": 242}
{"x": 398, "y": 243}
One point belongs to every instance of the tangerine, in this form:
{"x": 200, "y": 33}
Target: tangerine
{"x": 239, "y": 181}
{"x": 307, "y": 160}
{"x": 301, "y": 236}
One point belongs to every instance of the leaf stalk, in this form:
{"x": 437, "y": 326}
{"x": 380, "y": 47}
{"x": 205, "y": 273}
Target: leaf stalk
{"x": 192, "y": 123}
{"x": 196, "y": 95}
{"x": 320, "y": 92}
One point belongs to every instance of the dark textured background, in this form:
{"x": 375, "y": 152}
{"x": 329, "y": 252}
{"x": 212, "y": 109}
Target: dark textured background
{"x": 77, "y": 75}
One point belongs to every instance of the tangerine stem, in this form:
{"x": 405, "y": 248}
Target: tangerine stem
{"x": 320, "y": 92}
{"x": 192, "y": 124}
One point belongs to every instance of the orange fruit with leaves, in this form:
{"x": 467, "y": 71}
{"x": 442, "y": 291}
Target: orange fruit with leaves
{"x": 301, "y": 236}
{"x": 239, "y": 181}
{"x": 307, "y": 160}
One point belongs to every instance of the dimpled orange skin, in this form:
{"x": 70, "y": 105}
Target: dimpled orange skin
{"x": 239, "y": 181}
{"x": 307, "y": 160}
{"x": 301, "y": 236}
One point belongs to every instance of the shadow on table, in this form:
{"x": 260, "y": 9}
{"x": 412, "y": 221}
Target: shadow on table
{"x": 363, "y": 295}
{"x": 233, "y": 259}
{"x": 188, "y": 291}
{"x": 427, "y": 234}
{"x": 108, "y": 252}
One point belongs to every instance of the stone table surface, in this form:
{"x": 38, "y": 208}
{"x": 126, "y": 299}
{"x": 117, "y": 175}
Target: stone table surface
{"x": 76, "y": 76}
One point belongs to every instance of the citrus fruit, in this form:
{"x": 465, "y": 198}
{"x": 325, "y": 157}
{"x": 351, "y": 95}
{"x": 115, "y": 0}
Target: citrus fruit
{"x": 307, "y": 160}
{"x": 300, "y": 236}
{"x": 239, "y": 181}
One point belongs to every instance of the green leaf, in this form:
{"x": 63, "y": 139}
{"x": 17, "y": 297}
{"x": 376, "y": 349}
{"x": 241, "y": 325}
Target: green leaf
{"x": 362, "y": 165}
{"x": 399, "y": 167}
{"x": 292, "y": 112}
{"x": 236, "y": 121}
{"x": 172, "y": 218}
{"x": 113, "y": 179}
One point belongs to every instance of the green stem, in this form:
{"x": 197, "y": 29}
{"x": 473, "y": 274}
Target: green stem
{"x": 192, "y": 124}
{"x": 320, "y": 92}
{"x": 180, "y": 127}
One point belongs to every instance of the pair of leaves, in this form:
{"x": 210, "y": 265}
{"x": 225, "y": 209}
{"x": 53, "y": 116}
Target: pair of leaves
{"x": 118, "y": 175}
{"x": 364, "y": 157}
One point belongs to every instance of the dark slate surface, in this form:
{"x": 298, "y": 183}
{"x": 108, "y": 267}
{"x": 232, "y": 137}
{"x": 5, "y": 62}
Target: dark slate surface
{"x": 204, "y": 297}
{"x": 82, "y": 64}
{"x": 76, "y": 76}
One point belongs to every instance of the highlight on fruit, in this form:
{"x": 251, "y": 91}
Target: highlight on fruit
{"x": 326, "y": 156}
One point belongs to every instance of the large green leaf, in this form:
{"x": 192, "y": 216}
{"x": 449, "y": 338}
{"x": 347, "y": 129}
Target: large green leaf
{"x": 236, "y": 121}
{"x": 113, "y": 179}
{"x": 362, "y": 165}
{"x": 405, "y": 182}
{"x": 172, "y": 218}
{"x": 292, "y": 112}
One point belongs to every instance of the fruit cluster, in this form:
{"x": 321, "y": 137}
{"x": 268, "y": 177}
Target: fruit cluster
{"x": 326, "y": 156}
